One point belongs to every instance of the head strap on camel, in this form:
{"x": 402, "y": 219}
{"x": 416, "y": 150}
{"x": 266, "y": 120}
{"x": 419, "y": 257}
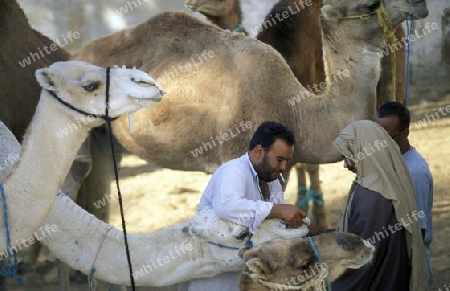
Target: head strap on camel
{"x": 105, "y": 116}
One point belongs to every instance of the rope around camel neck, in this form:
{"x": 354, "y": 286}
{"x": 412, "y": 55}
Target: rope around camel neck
{"x": 318, "y": 282}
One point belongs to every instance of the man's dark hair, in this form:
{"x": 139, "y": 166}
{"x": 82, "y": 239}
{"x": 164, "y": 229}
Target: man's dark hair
{"x": 269, "y": 131}
{"x": 397, "y": 109}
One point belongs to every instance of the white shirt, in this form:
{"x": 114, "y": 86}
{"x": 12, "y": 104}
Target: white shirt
{"x": 234, "y": 193}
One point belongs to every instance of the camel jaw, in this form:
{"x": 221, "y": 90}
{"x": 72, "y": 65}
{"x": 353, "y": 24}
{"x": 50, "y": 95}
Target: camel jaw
{"x": 154, "y": 97}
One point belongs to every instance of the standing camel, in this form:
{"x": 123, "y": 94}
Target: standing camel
{"x": 297, "y": 37}
{"x": 195, "y": 62}
{"x": 19, "y": 91}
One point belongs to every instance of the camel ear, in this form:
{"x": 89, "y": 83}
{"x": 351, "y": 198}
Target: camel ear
{"x": 258, "y": 268}
{"x": 331, "y": 13}
{"x": 47, "y": 79}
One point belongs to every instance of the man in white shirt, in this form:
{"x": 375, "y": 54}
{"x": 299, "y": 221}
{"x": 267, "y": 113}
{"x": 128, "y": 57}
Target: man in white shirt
{"x": 247, "y": 191}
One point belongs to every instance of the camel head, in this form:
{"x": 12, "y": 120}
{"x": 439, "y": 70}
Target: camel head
{"x": 374, "y": 15}
{"x": 83, "y": 86}
{"x": 293, "y": 262}
{"x": 206, "y": 225}
{"x": 211, "y": 7}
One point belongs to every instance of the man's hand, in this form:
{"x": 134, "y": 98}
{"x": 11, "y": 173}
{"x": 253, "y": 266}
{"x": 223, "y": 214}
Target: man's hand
{"x": 289, "y": 213}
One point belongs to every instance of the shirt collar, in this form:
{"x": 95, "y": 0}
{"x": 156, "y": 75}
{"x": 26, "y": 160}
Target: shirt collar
{"x": 250, "y": 166}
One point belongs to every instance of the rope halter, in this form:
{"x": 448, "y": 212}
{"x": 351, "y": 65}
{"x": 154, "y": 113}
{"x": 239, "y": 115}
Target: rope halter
{"x": 319, "y": 280}
{"x": 101, "y": 116}
{"x": 388, "y": 34}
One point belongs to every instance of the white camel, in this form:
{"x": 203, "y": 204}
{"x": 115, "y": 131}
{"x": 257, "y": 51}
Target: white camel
{"x": 47, "y": 152}
{"x": 205, "y": 246}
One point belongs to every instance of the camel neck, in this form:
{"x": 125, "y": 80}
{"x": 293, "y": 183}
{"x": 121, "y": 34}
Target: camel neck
{"x": 50, "y": 145}
{"x": 229, "y": 21}
{"x": 349, "y": 65}
{"x": 348, "y": 94}
{"x": 171, "y": 255}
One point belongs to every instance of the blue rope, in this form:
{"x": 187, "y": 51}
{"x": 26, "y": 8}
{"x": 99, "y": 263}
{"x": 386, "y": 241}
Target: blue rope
{"x": 223, "y": 246}
{"x": 238, "y": 27}
{"x": 248, "y": 243}
{"x": 315, "y": 197}
{"x": 9, "y": 270}
{"x": 316, "y": 253}
{"x": 91, "y": 279}
{"x": 409, "y": 27}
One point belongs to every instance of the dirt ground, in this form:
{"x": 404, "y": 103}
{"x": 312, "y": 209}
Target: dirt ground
{"x": 155, "y": 198}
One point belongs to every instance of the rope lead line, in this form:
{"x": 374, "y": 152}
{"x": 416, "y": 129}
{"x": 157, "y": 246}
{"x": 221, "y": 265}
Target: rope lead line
{"x": 116, "y": 174}
{"x": 10, "y": 269}
{"x": 316, "y": 253}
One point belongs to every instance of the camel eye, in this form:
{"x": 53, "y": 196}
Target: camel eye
{"x": 91, "y": 87}
{"x": 348, "y": 246}
{"x": 344, "y": 242}
{"x": 243, "y": 235}
{"x": 373, "y": 7}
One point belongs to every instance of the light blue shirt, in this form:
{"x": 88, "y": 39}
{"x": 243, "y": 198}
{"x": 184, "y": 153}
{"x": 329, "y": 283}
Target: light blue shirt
{"x": 234, "y": 193}
{"x": 423, "y": 186}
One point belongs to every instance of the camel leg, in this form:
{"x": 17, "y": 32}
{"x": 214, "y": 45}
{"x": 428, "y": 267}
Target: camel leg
{"x": 400, "y": 62}
{"x": 318, "y": 211}
{"x": 64, "y": 281}
{"x": 97, "y": 183}
{"x": 302, "y": 190}
{"x": 2, "y": 279}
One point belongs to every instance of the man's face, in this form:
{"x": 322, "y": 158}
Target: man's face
{"x": 391, "y": 125}
{"x": 274, "y": 161}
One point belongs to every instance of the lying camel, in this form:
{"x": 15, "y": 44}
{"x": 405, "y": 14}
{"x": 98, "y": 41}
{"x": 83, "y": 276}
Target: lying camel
{"x": 203, "y": 246}
{"x": 292, "y": 264}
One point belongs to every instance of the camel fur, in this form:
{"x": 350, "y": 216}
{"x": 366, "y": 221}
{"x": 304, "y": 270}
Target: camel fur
{"x": 292, "y": 264}
{"x": 47, "y": 155}
{"x": 298, "y": 39}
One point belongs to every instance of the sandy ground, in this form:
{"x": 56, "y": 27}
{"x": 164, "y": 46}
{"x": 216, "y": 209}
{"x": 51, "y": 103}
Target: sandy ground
{"x": 155, "y": 198}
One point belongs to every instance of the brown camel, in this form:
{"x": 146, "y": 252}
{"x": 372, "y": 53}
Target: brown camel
{"x": 227, "y": 14}
{"x": 292, "y": 265}
{"x": 193, "y": 61}
{"x": 21, "y": 54}
{"x": 298, "y": 38}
